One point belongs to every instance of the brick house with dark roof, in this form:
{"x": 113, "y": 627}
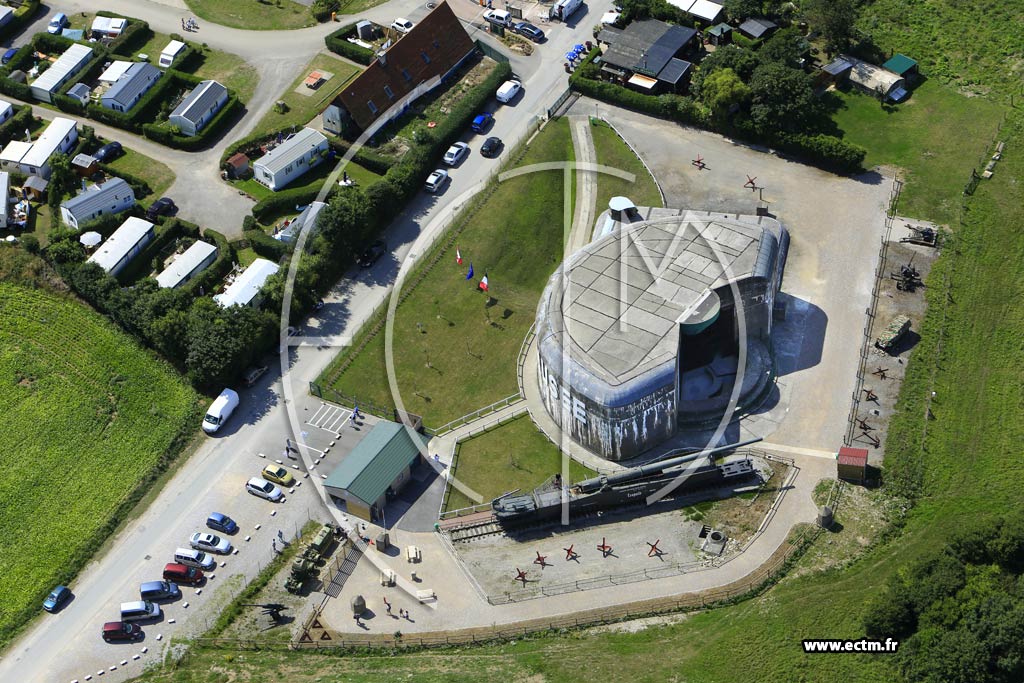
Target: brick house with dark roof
{"x": 429, "y": 52}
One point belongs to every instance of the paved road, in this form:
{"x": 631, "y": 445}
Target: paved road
{"x": 214, "y": 475}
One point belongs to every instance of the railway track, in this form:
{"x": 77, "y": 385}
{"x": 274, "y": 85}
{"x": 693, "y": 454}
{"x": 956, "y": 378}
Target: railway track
{"x": 487, "y": 527}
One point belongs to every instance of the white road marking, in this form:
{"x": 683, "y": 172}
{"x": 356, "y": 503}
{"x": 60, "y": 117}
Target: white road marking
{"x": 813, "y": 452}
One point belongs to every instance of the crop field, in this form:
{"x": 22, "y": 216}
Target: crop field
{"x": 459, "y": 345}
{"x": 88, "y": 416}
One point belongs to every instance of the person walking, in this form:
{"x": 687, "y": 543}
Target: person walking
{"x": 273, "y": 544}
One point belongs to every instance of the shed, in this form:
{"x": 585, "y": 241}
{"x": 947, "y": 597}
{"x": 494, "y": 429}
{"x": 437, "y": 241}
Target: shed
{"x": 84, "y": 165}
{"x": 852, "y": 464}
{"x": 6, "y": 110}
{"x": 292, "y": 158}
{"x": 113, "y": 196}
{"x": 61, "y": 71}
{"x": 756, "y": 28}
{"x": 238, "y": 165}
{"x": 36, "y": 187}
{"x": 130, "y": 87}
{"x": 719, "y": 34}
{"x": 376, "y": 469}
{"x": 874, "y": 80}
{"x": 124, "y": 245}
{"x": 12, "y": 154}
{"x": 902, "y": 65}
{"x": 245, "y": 290}
{"x": 198, "y": 107}
{"x": 108, "y": 27}
{"x": 187, "y": 265}
{"x": 80, "y": 92}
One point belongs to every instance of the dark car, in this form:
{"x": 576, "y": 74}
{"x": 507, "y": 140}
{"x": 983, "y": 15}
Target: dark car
{"x": 114, "y": 631}
{"x": 482, "y": 122}
{"x": 491, "y": 147}
{"x": 57, "y": 597}
{"x": 179, "y": 573}
{"x": 108, "y": 152}
{"x": 162, "y": 207}
{"x": 222, "y": 523}
{"x": 9, "y": 55}
{"x": 525, "y": 28}
{"x": 373, "y": 253}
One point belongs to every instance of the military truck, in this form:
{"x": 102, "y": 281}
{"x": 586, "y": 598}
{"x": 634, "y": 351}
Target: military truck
{"x": 893, "y": 332}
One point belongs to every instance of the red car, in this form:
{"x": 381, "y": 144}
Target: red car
{"x": 120, "y": 630}
{"x": 179, "y": 573}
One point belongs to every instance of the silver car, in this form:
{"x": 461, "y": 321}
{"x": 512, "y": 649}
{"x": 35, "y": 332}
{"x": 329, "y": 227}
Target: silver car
{"x": 264, "y": 489}
{"x": 436, "y": 180}
{"x": 210, "y": 543}
{"x": 456, "y": 153}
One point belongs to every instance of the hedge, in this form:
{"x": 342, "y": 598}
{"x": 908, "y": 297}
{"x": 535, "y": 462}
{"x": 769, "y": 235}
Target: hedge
{"x": 365, "y": 157}
{"x": 139, "y": 186}
{"x": 266, "y": 246}
{"x": 284, "y": 200}
{"x": 144, "y": 109}
{"x": 163, "y": 134}
{"x": 23, "y": 16}
{"x": 14, "y": 127}
{"x": 22, "y": 59}
{"x": 208, "y": 280}
{"x": 337, "y": 42}
{"x": 249, "y": 143}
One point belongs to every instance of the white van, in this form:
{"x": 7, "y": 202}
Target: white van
{"x": 508, "y": 90}
{"x": 499, "y": 17}
{"x": 173, "y": 49}
{"x": 194, "y": 558}
{"x": 220, "y": 410}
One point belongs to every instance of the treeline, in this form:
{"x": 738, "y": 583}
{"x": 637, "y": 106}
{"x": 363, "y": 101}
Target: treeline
{"x": 959, "y": 611}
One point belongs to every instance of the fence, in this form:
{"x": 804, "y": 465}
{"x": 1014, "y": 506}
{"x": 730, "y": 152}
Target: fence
{"x": 562, "y": 99}
{"x": 476, "y": 414}
{"x": 521, "y": 360}
{"x": 867, "y": 344}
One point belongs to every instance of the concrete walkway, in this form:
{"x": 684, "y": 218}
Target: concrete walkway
{"x": 586, "y": 185}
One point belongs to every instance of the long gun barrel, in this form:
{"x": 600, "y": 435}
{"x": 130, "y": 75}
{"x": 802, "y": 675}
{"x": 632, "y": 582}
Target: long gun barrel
{"x": 598, "y": 483}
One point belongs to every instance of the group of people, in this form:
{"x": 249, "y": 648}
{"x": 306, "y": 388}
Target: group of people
{"x": 189, "y": 24}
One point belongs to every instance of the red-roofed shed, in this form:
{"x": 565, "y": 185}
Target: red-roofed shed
{"x": 852, "y": 464}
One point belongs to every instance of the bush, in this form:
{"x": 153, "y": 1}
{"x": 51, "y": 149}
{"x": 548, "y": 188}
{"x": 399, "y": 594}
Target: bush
{"x": 365, "y": 157}
{"x": 337, "y": 42}
{"x": 265, "y": 245}
{"x": 20, "y": 91}
{"x": 321, "y": 9}
{"x": 31, "y": 243}
{"x": 283, "y": 201}
{"x": 14, "y": 127}
{"x": 23, "y": 16}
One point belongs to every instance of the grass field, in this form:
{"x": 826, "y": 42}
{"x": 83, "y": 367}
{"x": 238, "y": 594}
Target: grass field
{"x": 253, "y": 15}
{"x": 87, "y": 415}
{"x": 514, "y": 456}
{"x": 159, "y": 176}
{"x": 915, "y": 136}
{"x": 306, "y": 105}
{"x": 458, "y": 346}
{"x": 612, "y": 151}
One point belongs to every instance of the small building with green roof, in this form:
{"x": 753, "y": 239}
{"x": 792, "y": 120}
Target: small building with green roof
{"x": 902, "y": 65}
{"x": 375, "y": 470}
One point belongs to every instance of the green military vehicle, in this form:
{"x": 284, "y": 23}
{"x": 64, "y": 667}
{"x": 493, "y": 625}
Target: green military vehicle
{"x": 892, "y": 333}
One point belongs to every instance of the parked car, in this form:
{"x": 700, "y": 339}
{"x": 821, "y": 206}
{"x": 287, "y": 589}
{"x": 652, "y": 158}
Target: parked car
{"x": 508, "y": 90}
{"x": 263, "y": 489}
{"x": 9, "y": 55}
{"x": 278, "y": 475}
{"x": 162, "y": 207}
{"x": 159, "y": 590}
{"x": 456, "y": 153}
{"x": 373, "y": 253}
{"x": 210, "y": 542}
{"x": 189, "y": 576}
{"x": 140, "y": 610}
{"x": 57, "y": 597}
{"x": 499, "y": 17}
{"x": 253, "y": 374}
{"x": 58, "y": 22}
{"x": 221, "y": 523}
{"x": 194, "y": 558}
{"x": 436, "y": 180}
{"x": 220, "y": 410}
{"x": 482, "y": 122}
{"x": 491, "y": 147}
{"x": 402, "y": 25}
{"x": 528, "y": 30}
{"x": 108, "y": 152}
{"x": 114, "y": 631}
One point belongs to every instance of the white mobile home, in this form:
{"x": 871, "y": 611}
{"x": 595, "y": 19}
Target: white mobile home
{"x": 124, "y": 245}
{"x": 170, "y": 53}
{"x": 201, "y": 105}
{"x": 6, "y": 110}
{"x": 130, "y": 87}
{"x": 307, "y": 217}
{"x": 186, "y": 266}
{"x": 12, "y": 154}
{"x": 113, "y": 196}
{"x": 60, "y": 72}
{"x": 60, "y": 136}
{"x": 291, "y": 159}
{"x": 114, "y": 71}
{"x": 244, "y": 291}
{"x": 5, "y": 197}
{"x": 108, "y": 27}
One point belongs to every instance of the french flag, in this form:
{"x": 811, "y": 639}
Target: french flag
{"x": 458, "y": 256}
{"x": 483, "y": 283}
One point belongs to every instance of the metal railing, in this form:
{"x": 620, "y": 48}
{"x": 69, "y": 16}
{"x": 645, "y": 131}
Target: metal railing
{"x": 477, "y": 414}
{"x": 531, "y": 334}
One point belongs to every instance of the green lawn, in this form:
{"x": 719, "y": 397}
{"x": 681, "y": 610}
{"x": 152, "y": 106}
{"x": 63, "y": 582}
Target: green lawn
{"x": 612, "y": 151}
{"x": 458, "y": 346}
{"x": 159, "y": 176}
{"x": 918, "y": 137}
{"x": 306, "y": 105}
{"x": 253, "y": 15}
{"x": 246, "y": 256}
{"x": 88, "y": 414}
{"x": 514, "y": 456}
{"x": 314, "y": 178}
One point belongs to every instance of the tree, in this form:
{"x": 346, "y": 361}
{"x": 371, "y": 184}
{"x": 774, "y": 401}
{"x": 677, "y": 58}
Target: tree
{"x": 740, "y": 60}
{"x": 742, "y": 9}
{"x": 785, "y": 47}
{"x": 890, "y": 614}
{"x": 722, "y": 92}
{"x": 835, "y": 19}
{"x": 223, "y": 341}
{"x": 782, "y": 98}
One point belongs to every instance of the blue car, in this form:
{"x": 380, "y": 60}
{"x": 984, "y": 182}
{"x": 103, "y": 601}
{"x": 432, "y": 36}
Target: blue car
{"x": 482, "y": 122}
{"x": 221, "y": 523}
{"x": 9, "y": 55}
{"x": 57, "y": 597}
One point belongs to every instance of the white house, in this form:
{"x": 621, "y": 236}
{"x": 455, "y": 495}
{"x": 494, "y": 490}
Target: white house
{"x": 186, "y": 266}
{"x": 201, "y": 105}
{"x": 113, "y": 196}
{"x": 308, "y": 217}
{"x": 60, "y": 72}
{"x": 108, "y": 27}
{"x": 291, "y": 159}
{"x": 124, "y": 245}
{"x": 244, "y": 291}
{"x": 6, "y": 110}
{"x": 60, "y": 136}
{"x": 170, "y": 53}
{"x": 12, "y": 154}
{"x": 131, "y": 86}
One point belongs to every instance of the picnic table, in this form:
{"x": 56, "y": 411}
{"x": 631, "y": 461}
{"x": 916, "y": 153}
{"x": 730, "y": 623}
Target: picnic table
{"x": 314, "y": 80}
